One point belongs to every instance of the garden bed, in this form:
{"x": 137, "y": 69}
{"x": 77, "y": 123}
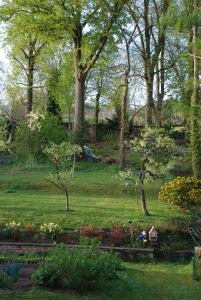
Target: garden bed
{"x": 23, "y": 281}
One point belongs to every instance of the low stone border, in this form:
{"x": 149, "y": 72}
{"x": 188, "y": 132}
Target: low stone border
{"x": 20, "y": 248}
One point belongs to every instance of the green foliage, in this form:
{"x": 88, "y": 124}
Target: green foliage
{"x": 61, "y": 155}
{"x": 63, "y": 158}
{"x": 61, "y": 85}
{"x": 5, "y": 280}
{"x": 158, "y": 154}
{"x": 32, "y": 139}
{"x": 182, "y": 191}
{"x": 81, "y": 269}
{"x": 157, "y": 150}
{"x": 4, "y": 145}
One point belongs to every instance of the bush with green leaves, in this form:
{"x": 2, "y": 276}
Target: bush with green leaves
{"x": 81, "y": 269}
{"x": 35, "y": 133}
{"x": 4, "y": 143}
{"x": 5, "y": 280}
{"x": 185, "y": 192}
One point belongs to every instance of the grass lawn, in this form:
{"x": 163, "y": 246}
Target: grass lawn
{"x": 140, "y": 282}
{"x": 95, "y": 199}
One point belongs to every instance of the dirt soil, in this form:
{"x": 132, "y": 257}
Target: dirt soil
{"x": 23, "y": 282}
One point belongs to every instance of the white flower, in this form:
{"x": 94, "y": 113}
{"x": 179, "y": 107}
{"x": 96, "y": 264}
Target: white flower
{"x": 34, "y": 119}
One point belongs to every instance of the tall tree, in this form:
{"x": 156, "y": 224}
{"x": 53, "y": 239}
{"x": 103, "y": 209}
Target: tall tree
{"x": 24, "y": 44}
{"x": 128, "y": 38}
{"x": 185, "y": 17}
{"x": 195, "y": 98}
{"x": 84, "y": 24}
{"x": 147, "y": 16}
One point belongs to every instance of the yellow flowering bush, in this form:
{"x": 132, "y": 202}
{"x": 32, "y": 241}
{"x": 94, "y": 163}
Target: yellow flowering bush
{"x": 182, "y": 191}
{"x": 50, "y": 230}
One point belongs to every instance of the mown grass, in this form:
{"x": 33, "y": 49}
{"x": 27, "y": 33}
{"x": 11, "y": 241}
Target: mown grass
{"x": 139, "y": 282}
{"x": 95, "y": 199}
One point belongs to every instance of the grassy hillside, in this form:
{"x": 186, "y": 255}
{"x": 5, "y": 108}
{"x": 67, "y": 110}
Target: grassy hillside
{"x": 95, "y": 199}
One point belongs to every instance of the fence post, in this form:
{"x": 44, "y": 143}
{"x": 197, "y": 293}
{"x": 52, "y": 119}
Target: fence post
{"x": 195, "y": 273}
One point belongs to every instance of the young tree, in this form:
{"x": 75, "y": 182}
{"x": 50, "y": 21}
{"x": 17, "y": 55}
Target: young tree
{"x": 158, "y": 155}
{"x": 63, "y": 159}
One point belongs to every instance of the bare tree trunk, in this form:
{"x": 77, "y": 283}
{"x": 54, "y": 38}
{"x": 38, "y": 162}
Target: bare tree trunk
{"x": 142, "y": 191}
{"x": 160, "y": 84}
{"x": 122, "y": 158}
{"x": 151, "y": 43}
{"x": 83, "y": 64}
{"x": 30, "y": 87}
{"x": 149, "y": 78}
{"x": 195, "y": 101}
{"x": 67, "y": 200}
{"x": 124, "y": 101}
{"x": 80, "y": 79}
{"x": 79, "y": 106}
{"x": 97, "y": 110}
{"x": 143, "y": 201}
{"x": 149, "y": 102}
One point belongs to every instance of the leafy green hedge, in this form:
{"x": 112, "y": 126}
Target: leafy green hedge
{"x": 80, "y": 269}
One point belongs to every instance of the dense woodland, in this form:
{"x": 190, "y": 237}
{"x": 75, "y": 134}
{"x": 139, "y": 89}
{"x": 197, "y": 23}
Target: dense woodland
{"x": 131, "y": 57}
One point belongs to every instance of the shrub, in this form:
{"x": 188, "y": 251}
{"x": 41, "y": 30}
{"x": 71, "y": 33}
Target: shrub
{"x": 92, "y": 232}
{"x": 30, "y": 143}
{"x": 81, "y": 269}
{"x": 117, "y": 235}
{"x": 182, "y": 191}
{"x": 5, "y": 280}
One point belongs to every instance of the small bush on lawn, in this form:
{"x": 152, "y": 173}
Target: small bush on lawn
{"x": 182, "y": 191}
{"x": 81, "y": 269}
{"x": 5, "y": 280}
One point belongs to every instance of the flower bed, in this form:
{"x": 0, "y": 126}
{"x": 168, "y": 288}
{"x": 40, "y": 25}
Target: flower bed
{"x": 116, "y": 236}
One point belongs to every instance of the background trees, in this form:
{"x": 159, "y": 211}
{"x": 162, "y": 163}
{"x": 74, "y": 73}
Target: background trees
{"x": 65, "y": 54}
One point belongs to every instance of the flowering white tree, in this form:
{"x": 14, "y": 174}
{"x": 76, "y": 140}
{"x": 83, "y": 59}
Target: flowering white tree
{"x": 158, "y": 155}
{"x": 33, "y": 120}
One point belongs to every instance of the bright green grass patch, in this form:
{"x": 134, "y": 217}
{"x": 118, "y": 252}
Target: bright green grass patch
{"x": 140, "y": 282}
{"x": 95, "y": 199}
